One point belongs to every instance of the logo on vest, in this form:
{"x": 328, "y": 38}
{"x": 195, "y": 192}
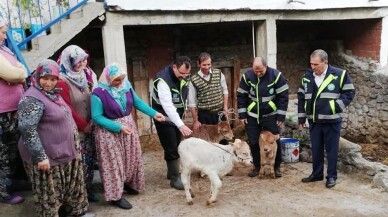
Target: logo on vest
{"x": 175, "y": 97}
{"x": 271, "y": 91}
{"x": 331, "y": 87}
{"x": 252, "y": 91}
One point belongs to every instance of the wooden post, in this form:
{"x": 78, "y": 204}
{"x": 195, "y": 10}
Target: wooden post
{"x": 236, "y": 82}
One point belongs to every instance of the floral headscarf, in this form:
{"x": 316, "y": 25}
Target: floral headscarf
{"x": 70, "y": 57}
{"x": 110, "y": 73}
{"x": 47, "y": 67}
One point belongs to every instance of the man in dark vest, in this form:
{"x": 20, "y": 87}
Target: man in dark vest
{"x": 262, "y": 98}
{"x": 169, "y": 98}
{"x": 208, "y": 93}
{"x": 324, "y": 93}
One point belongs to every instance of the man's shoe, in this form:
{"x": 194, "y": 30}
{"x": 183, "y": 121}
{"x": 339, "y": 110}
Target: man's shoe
{"x": 311, "y": 178}
{"x": 130, "y": 190}
{"x": 92, "y": 197}
{"x": 278, "y": 173}
{"x": 330, "y": 183}
{"x": 254, "y": 172}
{"x": 122, "y": 203}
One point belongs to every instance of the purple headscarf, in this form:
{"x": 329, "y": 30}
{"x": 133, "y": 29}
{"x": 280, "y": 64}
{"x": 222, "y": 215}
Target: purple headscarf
{"x": 47, "y": 67}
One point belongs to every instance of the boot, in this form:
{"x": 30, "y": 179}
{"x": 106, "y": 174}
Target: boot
{"x": 173, "y": 169}
{"x": 254, "y": 172}
{"x": 278, "y": 173}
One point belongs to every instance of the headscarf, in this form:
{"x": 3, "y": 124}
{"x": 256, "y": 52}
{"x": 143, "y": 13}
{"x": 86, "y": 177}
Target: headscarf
{"x": 3, "y": 22}
{"x": 70, "y": 57}
{"x": 110, "y": 73}
{"x": 47, "y": 67}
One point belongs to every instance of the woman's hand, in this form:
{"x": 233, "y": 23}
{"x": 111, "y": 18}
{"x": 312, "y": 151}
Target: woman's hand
{"x": 159, "y": 117}
{"x": 88, "y": 128}
{"x": 44, "y": 165}
{"x": 125, "y": 130}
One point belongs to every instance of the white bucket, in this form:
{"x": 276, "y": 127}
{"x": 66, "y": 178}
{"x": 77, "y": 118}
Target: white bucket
{"x": 290, "y": 150}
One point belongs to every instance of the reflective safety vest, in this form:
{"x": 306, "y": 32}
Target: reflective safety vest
{"x": 178, "y": 89}
{"x": 262, "y": 97}
{"x": 325, "y": 103}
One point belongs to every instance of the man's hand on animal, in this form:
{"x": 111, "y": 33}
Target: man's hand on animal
{"x": 159, "y": 117}
{"x": 279, "y": 123}
{"x": 196, "y": 125}
{"x": 185, "y": 130}
{"x": 243, "y": 121}
{"x": 302, "y": 126}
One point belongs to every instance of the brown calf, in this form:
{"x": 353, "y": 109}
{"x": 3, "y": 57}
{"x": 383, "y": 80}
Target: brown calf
{"x": 268, "y": 148}
{"x": 214, "y": 133}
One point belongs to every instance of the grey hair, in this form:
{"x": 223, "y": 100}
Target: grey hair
{"x": 321, "y": 54}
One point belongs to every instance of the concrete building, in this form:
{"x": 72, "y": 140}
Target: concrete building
{"x": 144, "y": 36}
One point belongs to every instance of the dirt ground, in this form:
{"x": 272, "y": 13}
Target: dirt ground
{"x": 240, "y": 195}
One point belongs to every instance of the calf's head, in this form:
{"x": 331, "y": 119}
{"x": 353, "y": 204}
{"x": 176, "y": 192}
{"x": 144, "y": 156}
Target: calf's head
{"x": 224, "y": 129}
{"x": 267, "y": 142}
{"x": 242, "y": 151}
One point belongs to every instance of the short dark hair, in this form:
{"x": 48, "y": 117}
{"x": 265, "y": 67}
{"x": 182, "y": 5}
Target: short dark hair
{"x": 179, "y": 61}
{"x": 203, "y": 56}
{"x": 321, "y": 54}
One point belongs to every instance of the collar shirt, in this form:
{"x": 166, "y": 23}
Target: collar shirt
{"x": 319, "y": 78}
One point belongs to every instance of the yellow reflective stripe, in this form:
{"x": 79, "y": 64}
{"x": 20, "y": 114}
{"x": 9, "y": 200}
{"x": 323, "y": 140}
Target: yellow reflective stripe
{"x": 245, "y": 80}
{"x": 175, "y": 90}
{"x": 321, "y": 88}
{"x": 250, "y": 107}
{"x": 342, "y": 78}
{"x": 332, "y": 106}
{"x": 273, "y": 106}
{"x": 305, "y": 104}
{"x": 276, "y": 80}
{"x": 160, "y": 80}
{"x": 305, "y": 79}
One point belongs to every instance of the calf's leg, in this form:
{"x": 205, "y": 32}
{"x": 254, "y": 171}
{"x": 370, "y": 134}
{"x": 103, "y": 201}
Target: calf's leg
{"x": 215, "y": 186}
{"x": 185, "y": 177}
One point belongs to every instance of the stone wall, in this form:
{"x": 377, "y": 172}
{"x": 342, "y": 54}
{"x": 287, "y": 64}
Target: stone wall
{"x": 366, "y": 119}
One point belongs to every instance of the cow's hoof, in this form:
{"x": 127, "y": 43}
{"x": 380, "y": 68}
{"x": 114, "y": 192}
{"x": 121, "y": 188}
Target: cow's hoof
{"x": 210, "y": 202}
{"x": 190, "y": 203}
{"x": 192, "y": 194}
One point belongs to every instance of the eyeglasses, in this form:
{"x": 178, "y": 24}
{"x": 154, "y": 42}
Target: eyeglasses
{"x": 184, "y": 74}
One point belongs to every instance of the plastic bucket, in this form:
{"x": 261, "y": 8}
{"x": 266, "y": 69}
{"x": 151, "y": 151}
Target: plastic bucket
{"x": 290, "y": 150}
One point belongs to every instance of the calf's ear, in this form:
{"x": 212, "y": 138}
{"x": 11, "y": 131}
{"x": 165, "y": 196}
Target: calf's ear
{"x": 277, "y": 136}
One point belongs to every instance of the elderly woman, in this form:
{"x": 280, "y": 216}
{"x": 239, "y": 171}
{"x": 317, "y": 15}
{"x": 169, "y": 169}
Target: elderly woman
{"x": 117, "y": 139}
{"x": 12, "y": 77}
{"x": 77, "y": 92}
{"x": 49, "y": 146}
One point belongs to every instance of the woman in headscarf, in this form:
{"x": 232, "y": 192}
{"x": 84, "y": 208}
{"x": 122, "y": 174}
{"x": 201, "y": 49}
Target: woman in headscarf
{"x": 77, "y": 92}
{"x": 12, "y": 78}
{"x": 49, "y": 146}
{"x": 117, "y": 139}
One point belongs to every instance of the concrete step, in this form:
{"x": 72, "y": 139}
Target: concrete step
{"x": 62, "y": 32}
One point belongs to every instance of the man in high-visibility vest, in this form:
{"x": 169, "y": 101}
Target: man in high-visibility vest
{"x": 324, "y": 93}
{"x": 262, "y": 98}
{"x": 169, "y": 98}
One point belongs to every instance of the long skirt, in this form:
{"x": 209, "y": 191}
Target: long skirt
{"x": 61, "y": 185}
{"x": 88, "y": 151}
{"x": 8, "y": 151}
{"x": 120, "y": 159}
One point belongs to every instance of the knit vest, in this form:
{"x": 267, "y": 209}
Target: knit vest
{"x": 55, "y": 130}
{"x": 209, "y": 93}
{"x": 10, "y": 94}
{"x": 79, "y": 99}
{"x": 111, "y": 109}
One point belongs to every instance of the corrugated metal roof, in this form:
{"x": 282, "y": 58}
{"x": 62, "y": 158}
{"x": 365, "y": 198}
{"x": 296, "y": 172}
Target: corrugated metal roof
{"x": 194, "y": 5}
